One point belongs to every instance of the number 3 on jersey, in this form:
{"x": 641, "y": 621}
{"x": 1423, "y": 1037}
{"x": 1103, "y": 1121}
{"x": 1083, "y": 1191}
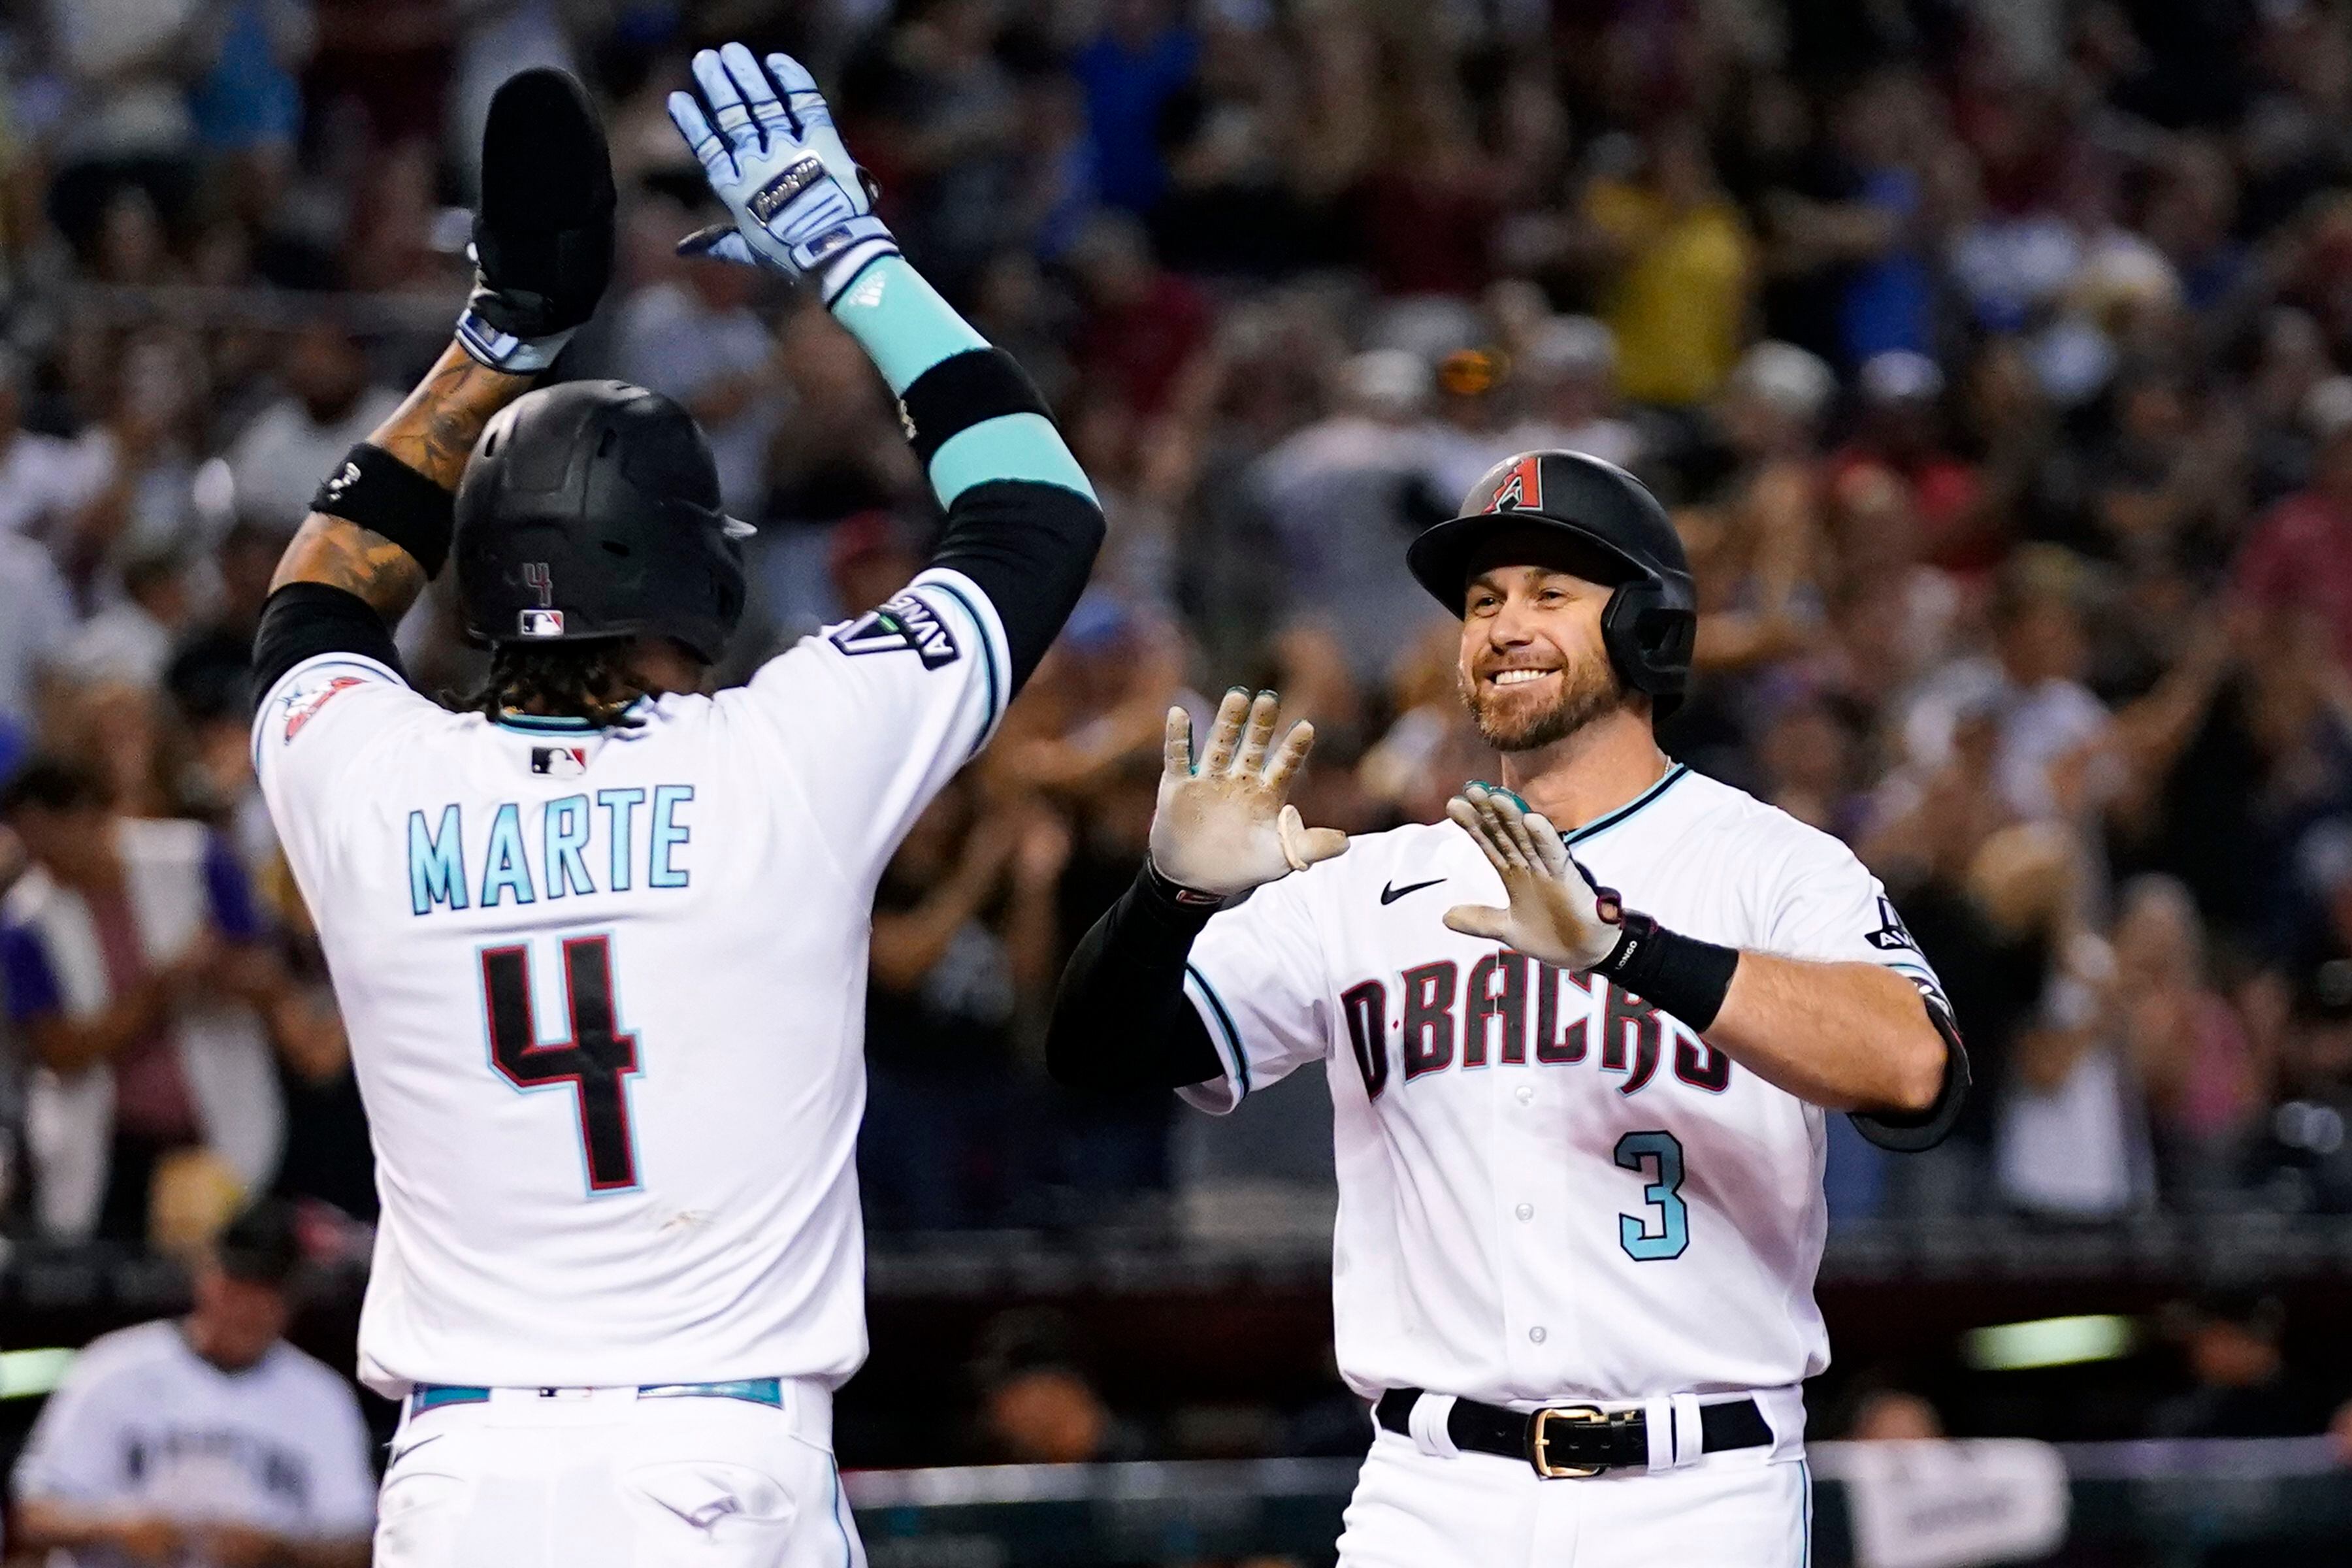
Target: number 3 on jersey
{"x": 597, "y": 1061}
{"x": 1665, "y": 1190}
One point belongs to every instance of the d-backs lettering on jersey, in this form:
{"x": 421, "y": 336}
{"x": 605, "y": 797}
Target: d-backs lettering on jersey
{"x": 1548, "y": 1188}
{"x": 605, "y": 993}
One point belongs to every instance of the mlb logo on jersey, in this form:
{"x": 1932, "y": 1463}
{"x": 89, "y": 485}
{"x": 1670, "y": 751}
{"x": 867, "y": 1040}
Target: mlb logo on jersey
{"x": 906, "y": 622}
{"x": 559, "y": 762}
{"x": 1523, "y": 489}
{"x": 541, "y": 622}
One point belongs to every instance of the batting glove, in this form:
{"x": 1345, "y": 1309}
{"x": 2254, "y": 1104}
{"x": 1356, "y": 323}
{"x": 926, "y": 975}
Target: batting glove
{"x": 801, "y": 205}
{"x": 542, "y": 245}
{"x": 1557, "y": 913}
{"x": 1227, "y": 826}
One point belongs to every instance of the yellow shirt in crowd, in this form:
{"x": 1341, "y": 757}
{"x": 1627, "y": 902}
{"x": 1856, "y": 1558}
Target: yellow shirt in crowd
{"x": 1680, "y": 302}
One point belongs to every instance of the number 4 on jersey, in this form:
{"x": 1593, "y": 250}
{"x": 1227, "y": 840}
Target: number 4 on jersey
{"x": 597, "y": 1061}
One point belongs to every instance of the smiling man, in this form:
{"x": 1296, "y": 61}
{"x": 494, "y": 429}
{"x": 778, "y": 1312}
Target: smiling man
{"x": 1580, "y": 1149}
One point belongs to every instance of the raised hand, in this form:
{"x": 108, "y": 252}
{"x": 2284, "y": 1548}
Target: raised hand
{"x": 1556, "y": 912}
{"x": 1227, "y": 826}
{"x": 544, "y": 237}
{"x": 767, "y": 144}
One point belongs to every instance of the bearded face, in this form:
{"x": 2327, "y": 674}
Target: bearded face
{"x": 1533, "y": 669}
{"x": 1520, "y": 708}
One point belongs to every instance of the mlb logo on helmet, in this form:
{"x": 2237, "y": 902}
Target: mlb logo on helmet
{"x": 1523, "y": 488}
{"x": 546, "y": 621}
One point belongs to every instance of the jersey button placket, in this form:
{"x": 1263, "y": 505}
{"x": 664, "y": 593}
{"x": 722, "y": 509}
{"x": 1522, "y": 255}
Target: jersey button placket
{"x": 1526, "y": 1157}
{"x": 1536, "y": 1118}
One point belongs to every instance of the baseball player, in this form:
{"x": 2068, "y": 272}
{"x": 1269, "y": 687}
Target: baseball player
{"x": 600, "y": 941}
{"x": 1580, "y": 1149}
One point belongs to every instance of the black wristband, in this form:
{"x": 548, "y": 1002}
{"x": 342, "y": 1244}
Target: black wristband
{"x": 1189, "y": 907}
{"x": 1674, "y": 974}
{"x": 385, "y": 496}
{"x": 964, "y": 390}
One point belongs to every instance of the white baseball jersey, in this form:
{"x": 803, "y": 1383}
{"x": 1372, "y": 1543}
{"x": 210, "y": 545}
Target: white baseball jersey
{"x": 144, "y": 1423}
{"x": 1547, "y": 1188}
{"x": 605, "y": 993}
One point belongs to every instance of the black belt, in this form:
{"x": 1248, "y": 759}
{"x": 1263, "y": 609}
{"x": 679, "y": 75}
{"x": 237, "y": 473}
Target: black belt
{"x": 1573, "y": 1441}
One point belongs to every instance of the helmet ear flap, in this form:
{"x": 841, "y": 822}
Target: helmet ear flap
{"x": 1649, "y": 639}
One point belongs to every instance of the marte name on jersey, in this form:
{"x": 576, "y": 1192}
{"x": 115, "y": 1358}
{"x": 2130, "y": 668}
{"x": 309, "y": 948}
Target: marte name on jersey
{"x": 610, "y": 841}
{"x": 1439, "y": 1020}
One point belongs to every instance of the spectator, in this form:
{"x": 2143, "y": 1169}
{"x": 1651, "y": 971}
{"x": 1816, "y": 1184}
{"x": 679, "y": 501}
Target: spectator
{"x": 129, "y": 125}
{"x": 138, "y": 973}
{"x": 2049, "y": 757}
{"x": 946, "y": 128}
{"x": 1344, "y": 494}
{"x": 2206, "y": 1089}
{"x": 1569, "y": 373}
{"x": 2241, "y": 1386}
{"x": 44, "y": 482}
{"x": 329, "y": 406}
{"x": 965, "y": 942}
{"x": 1895, "y": 1416}
{"x": 2304, "y": 1164}
{"x": 1678, "y": 266}
{"x": 130, "y": 641}
{"x": 1036, "y": 1405}
{"x": 1144, "y": 56}
{"x": 2071, "y": 1142}
{"x": 2299, "y": 557}
{"x": 211, "y": 665}
{"x": 208, "y": 1442}
{"x": 35, "y": 635}
{"x": 1142, "y": 324}
{"x": 1901, "y": 434}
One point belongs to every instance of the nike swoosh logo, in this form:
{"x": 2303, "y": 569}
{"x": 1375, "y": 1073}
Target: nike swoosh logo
{"x": 1391, "y": 893}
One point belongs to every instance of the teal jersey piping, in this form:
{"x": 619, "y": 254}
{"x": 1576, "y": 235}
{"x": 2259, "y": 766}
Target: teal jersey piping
{"x": 987, "y": 657}
{"x": 1233, "y": 1036}
{"x": 1593, "y": 829}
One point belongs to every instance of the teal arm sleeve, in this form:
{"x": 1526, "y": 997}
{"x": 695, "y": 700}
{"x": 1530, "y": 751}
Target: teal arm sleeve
{"x": 902, "y": 322}
{"x": 906, "y": 328}
{"x": 1015, "y": 446}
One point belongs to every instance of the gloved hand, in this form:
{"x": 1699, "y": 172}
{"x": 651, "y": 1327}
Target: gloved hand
{"x": 544, "y": 237}
{"x": 801, "y": 205}
{"x": 1228, "y": 828}
{"x": 1557, "y": 913}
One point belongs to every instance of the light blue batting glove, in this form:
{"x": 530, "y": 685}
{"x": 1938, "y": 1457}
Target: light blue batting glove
{"x": 801, "y": 205}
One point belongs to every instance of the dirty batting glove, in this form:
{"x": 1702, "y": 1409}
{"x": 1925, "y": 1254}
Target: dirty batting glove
{"x": 542, "y": 245}
{"x": 767, "y": 145}
{"x": 1227, "y": 824}
{"x": 1555, "y": 913}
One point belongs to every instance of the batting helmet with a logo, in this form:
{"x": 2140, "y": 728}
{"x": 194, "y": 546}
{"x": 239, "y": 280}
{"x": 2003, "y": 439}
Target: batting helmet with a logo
{"x": 1612, "y": 530}
{"x": 591, "y": 509}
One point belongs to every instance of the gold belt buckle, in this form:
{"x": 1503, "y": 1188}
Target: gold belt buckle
{"x": 1538, "y": 1444}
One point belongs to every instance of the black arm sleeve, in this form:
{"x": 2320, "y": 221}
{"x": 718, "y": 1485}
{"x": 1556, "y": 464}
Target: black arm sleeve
{"x": 302, "y": 620}
{"x": 1911, "y": 1135}
{"x": 1121, "y": 1020}
{"x": 1031, "y": 547}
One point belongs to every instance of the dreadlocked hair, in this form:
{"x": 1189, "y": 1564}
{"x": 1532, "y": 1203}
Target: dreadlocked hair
{"x": 570, "y": 680}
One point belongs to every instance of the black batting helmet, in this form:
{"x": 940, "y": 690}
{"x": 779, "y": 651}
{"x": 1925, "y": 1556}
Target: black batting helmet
{"x": 1620, "y": 535}
{"x": 591, "y": 509}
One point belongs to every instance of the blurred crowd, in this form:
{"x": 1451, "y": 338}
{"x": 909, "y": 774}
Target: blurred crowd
{"x": 1993, "y": 358}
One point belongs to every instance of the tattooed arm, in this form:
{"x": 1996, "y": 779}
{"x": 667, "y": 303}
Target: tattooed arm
{"x": 434, "y": 433}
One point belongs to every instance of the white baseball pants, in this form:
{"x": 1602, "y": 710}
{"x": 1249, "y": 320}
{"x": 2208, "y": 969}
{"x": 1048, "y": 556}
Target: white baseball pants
{"x": 1736, "y": 1510}
{"x": 602, "y": 1479}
